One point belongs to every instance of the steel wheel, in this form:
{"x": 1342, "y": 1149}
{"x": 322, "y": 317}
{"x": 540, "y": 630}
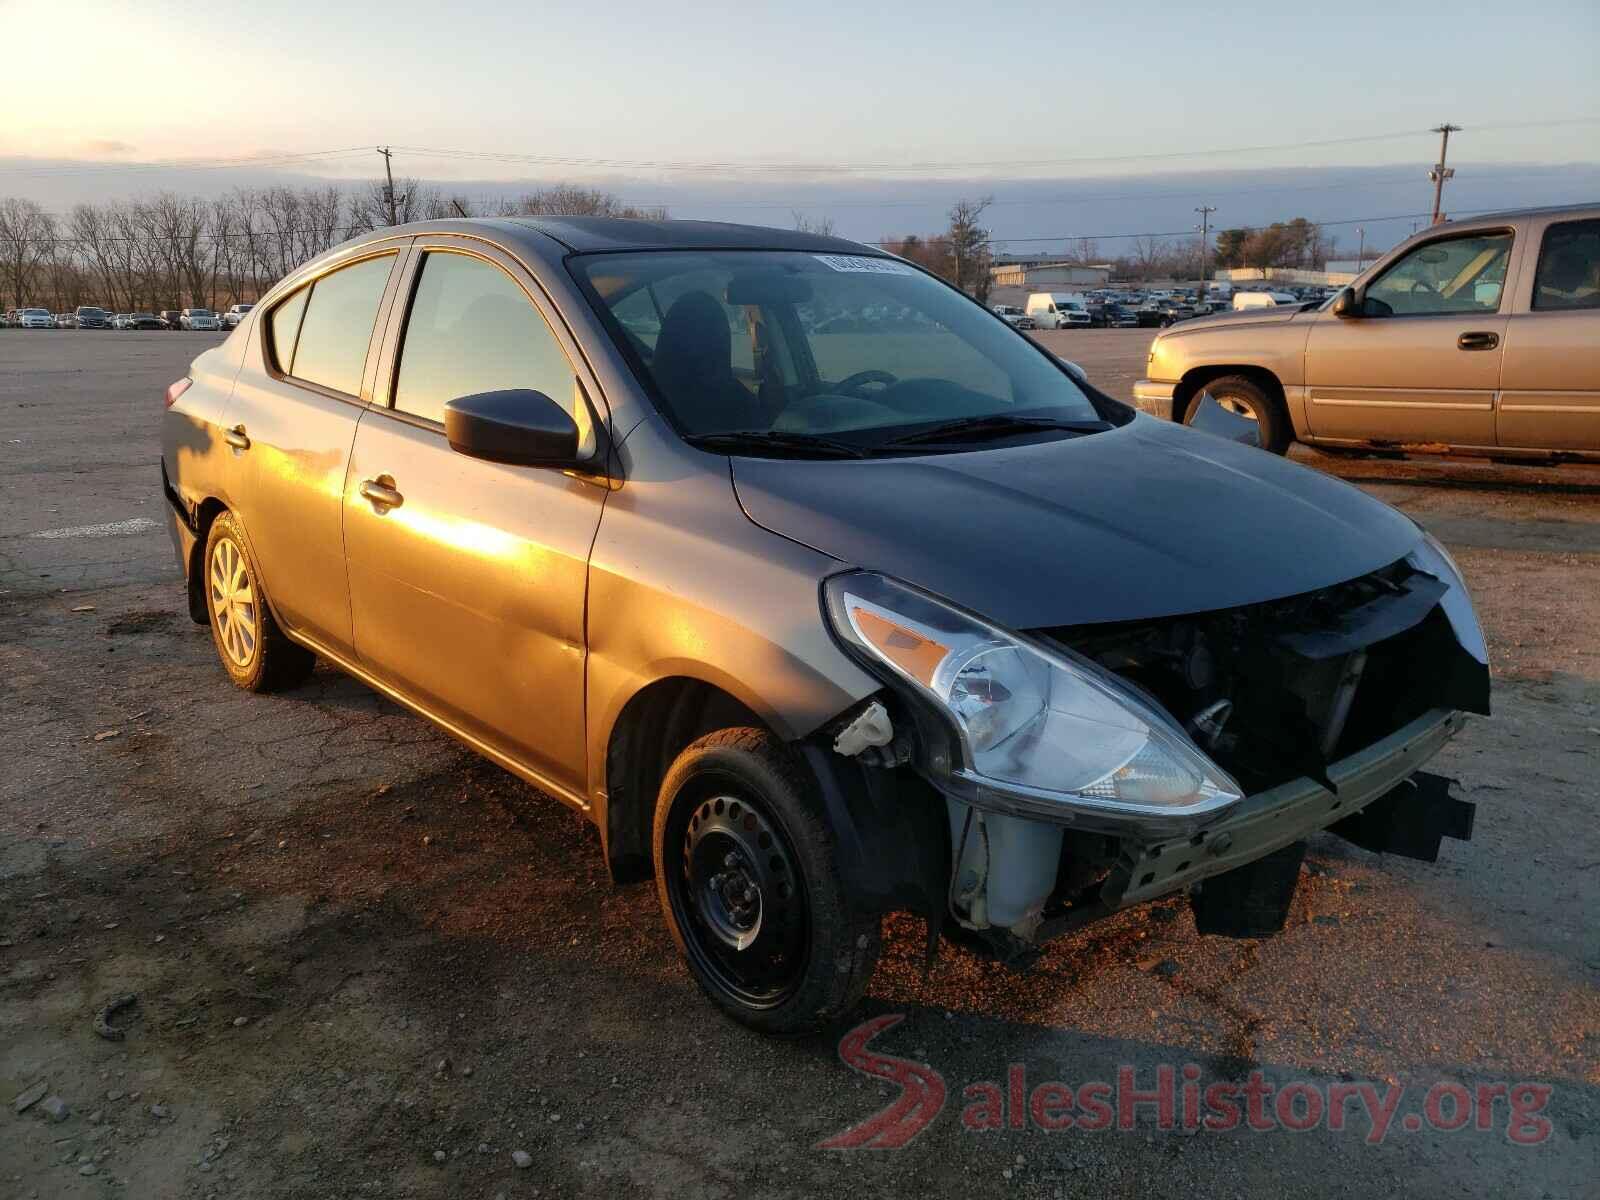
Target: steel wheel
{"x": 1236, "y": 406}
{"x": 743, "y": 898}
{"x": 233, "y": 602}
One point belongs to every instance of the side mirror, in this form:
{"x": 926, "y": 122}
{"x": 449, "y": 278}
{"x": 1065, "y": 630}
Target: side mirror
{"x": 1345, "y": 304}
{"x": 518, "y": 426}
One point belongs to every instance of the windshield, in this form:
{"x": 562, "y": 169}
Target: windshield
{"x": 855, "y": 348}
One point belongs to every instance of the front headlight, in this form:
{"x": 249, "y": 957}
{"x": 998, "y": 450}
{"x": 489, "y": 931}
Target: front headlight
{"x": 1040, "y": 731}
{"x": 1431, "y": 558}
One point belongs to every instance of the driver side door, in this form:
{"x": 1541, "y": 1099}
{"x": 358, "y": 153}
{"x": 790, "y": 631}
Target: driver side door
{"x": 1421, "y": 363}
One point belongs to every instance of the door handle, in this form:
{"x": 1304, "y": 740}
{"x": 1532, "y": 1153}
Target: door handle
{"x": 381, "y": 493}
{"x": 1477, "y": 341}
{"x": 236, "y": 438}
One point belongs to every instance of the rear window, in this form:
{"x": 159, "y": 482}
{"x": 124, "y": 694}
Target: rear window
{"x": 321, "y": 333}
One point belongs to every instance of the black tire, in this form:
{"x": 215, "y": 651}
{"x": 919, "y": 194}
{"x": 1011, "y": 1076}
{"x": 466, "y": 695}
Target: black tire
{"x": 736, "y": 814}
{"x": 1270, "y": 417}
{"x": 254, "y": 651}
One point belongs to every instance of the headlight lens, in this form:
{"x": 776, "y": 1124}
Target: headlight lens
{"x": 1433, "y": 559}
{"x": 1033, "y": 722}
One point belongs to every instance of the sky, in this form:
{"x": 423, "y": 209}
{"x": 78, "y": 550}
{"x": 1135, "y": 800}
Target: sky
{"x": 821, "y": 99}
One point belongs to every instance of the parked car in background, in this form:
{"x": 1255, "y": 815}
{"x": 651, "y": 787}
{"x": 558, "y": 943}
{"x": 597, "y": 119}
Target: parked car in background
{"x": 1475, "y": 336}
{"x": 65, "y": 321}
{"x": 234, "y": 314}
{"x": 1110, "y": 314}
{"x": 1243, "y": 300}
{"x": 122, "y": 321}
{"x": 1012, "y": 315}
{"x": 441, "y": 459}
{"x": 35, "y": 318}
{"x": 91, "y": 317}
{"x": 198, "y": 319}
{"x": 146, "y": 321}
{"x": 1151, "y": 315}
{"x": 1058, "y": 310}
{"x": 171, "y": 316}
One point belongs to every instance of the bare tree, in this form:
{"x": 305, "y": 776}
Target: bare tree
{"x": 822, "y": 226}
{"x": 27, "y": 238}
{"x": 568, "y": 200}
{"x": 969, "y": 244}
{"x": 1150, "y": 254}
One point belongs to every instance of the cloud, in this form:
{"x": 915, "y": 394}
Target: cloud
{"x": 107, "y": 146}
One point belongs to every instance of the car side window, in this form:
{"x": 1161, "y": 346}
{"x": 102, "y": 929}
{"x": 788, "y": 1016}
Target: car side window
{"x": 1569, "y": 267}
{"x": 1454, "y": 275}
{"x": 336, "y": 328}
{"x": 283, "y": 328}
{"x": 472, "y": 329}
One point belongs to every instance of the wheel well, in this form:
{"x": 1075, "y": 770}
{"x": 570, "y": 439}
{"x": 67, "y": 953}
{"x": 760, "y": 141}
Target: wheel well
{"x": 1194, "y": 380}
{"x": 203, "y": 517}
{"x": 652, "y": 729}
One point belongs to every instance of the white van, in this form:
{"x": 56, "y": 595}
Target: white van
{"x": 1263, "y": 299}
{"x": 1057, "y": 310}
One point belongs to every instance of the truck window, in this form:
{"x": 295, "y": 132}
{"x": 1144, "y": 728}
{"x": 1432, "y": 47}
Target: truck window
{"x": 1569, "y": 267}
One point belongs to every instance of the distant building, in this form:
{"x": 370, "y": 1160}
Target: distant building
{"x": 1349, "y": 266}
{"x": 1041, "y": 276}
{"x": 1296, "y": 275}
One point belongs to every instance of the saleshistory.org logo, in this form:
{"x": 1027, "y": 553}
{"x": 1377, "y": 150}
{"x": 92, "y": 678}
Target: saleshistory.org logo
{"x": 1177, "y": 1098}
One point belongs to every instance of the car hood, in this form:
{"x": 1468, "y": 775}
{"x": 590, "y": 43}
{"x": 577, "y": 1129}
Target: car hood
{"x": 1149, "y": 520}
{"x": 1277, "y": 314}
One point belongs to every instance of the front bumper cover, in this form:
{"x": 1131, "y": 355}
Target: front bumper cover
{"x": 1155, "y": 398}
{"x": 1266, "y": 822}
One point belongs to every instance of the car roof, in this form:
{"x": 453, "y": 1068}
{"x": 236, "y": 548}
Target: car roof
{"x": 1509, "y": 213}
{"x": 553, "y": 238}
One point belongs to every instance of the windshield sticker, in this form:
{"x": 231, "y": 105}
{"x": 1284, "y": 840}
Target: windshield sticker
{"x": 864, "y": 265}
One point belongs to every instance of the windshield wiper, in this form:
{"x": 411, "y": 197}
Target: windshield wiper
{"x": 736, "y": 441}
{"x": 994, "y": 425}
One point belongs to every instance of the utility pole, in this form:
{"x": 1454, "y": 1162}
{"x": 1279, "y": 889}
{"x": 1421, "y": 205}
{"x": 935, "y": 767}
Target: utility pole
{"x": 1205, "y": 211}
{"x": 1361, "y": 252}
{"x": 389, "y": 198}
{"x": 1441, "y": 172}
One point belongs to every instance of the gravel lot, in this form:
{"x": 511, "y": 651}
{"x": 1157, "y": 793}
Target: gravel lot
{"x": 370, "y": 964}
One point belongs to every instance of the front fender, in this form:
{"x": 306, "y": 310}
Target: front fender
{"x": 683, "y": 585}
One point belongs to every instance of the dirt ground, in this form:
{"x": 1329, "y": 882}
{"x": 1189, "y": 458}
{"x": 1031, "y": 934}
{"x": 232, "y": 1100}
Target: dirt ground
{"x": 368, "y": 963}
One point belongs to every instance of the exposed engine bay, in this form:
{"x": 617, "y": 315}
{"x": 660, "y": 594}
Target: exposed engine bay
{"x": 1275, "y": 693}
{"x": 1278, "y": 690}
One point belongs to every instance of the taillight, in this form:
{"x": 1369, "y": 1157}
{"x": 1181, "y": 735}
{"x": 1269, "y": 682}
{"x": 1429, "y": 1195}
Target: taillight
{"x": 176, "y": 390}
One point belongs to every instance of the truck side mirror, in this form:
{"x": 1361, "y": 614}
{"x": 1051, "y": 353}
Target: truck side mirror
{"x": 1346, "y": 304}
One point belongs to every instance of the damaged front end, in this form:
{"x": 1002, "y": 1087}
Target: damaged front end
{"x": 1088, "y": 768}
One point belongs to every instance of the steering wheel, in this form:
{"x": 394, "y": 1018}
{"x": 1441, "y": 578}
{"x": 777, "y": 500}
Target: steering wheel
{"x": 860, "y": 379}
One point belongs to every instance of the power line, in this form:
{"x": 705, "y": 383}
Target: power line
{"x": 838, "y": 167}
{"x": 285, "y": 157}
{"x": 268, "y": 235}
{"x": 185, "y": 164}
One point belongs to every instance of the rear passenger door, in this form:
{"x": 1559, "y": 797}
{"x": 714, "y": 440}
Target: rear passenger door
{"x": 289, "y": 429}
{"x": 1550, "y": 381}
{"x": 468, "y": 578}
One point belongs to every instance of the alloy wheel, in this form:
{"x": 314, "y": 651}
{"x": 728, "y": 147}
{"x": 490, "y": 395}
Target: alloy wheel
{"x": 233, "y": 603}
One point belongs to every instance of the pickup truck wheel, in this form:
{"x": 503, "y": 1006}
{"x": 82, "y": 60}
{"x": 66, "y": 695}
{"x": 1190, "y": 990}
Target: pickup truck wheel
{"x": 750, "y": 885}
{"x": 1247, "y": 398}
{"x": 254, "y": 651}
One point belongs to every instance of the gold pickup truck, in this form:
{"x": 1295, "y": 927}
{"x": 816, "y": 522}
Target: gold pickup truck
{"x": 1479, "y": 336}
